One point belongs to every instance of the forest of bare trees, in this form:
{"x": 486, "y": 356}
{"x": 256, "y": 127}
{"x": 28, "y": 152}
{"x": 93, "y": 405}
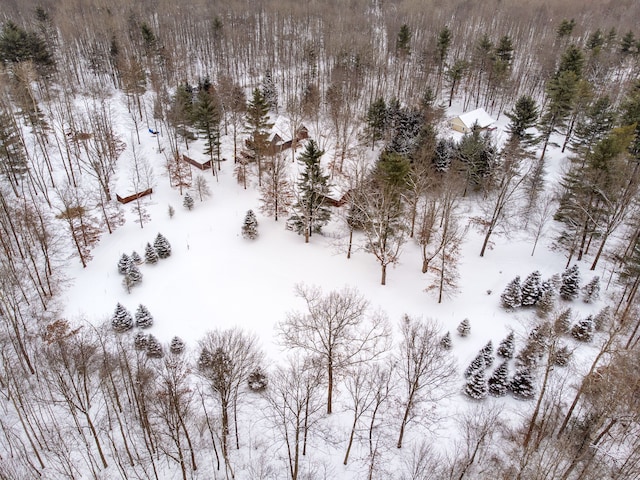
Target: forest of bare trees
{"x": 80, "y": 399}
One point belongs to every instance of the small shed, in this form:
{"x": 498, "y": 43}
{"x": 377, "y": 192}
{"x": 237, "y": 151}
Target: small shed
{"x": 465, "y": 122}
{"x": 135, "y": 196}
{"x": 201, "y": 164}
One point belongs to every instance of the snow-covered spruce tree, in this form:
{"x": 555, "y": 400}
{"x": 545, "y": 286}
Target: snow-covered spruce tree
{"x": 444, "y": 154}
{"x": 270, "y": 91}
{"x": 121, "y": 320}
{"x": 123, "y": 264}
{"x": 176, "y": 346}
{"x": 162, "y": 246}
{"x": 311, "y": 212}
{"x": 532, "y": 289}
{"x": 476, "y": 364}
{"x": 562, "y": 322}
{"x": 521, "y": 385}
{"x": 464, "y": 328}
{"x": 150, "y": 254}
{"x": 171, "y": 211}
{"x": 134, "y": 276}
{"x": 487, "y": 353}
{"x": 591, "y": 291}
{"x": 250, "y": 226}
{"x": 535, "y": 347}
{"x": 602, "y": 319}
{"x": 445, "y": 341}
{"x": 154, "y": 347}
{"x": 144, "y": 319}
{"x": 583, "y": 330}
{"x": 140, "y": 341}
{"x": 498, "y": 382}
{"x": 547, "y": 301}
{"x": 477, "y": 387}
{"x": 561, "y": 356}
{"x": 506, "y": 347}
{"x": 257, "y": 380}
{"x": 136, "y": 258}
{"x": 512, "y": 296}
{"x": 188, "y": 202}
{"x": 570, "y": 287}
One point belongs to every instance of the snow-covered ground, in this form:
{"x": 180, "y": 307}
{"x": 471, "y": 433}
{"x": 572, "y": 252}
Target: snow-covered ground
{"x": 215, "y": 279}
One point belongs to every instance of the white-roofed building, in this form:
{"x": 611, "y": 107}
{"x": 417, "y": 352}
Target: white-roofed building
{"x": 465, "y": 122}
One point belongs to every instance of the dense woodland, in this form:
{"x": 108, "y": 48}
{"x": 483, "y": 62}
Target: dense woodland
{"x": 96, "y": 401}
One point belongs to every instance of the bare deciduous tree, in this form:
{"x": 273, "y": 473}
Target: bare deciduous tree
{"x": 294, "y": 404}
{"x": 227, "y": 357}
{"x": 424, "y": 367}
{"x": 338, "y": 329}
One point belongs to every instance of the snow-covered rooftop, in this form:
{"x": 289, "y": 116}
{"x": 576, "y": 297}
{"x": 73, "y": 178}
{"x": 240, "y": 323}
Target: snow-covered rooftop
{"x": 282, "y": 128}
{"x": 479, "y": 116}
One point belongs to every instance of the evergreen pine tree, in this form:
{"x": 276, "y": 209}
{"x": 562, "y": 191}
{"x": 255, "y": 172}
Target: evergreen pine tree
{"x": 524, "y": 116}
{"x": 562, "y": 323}
{"x": 136, "y": 258}
{"x": 154, "y": 347}
{"x": 512, "y": 296}
{"x": 162, "y": 246}
{"x": 444, "y": 154}
{"x": 376, "y": 120}
{"x": 134, "y": 276}
{"x": 583, "y": 330}
{"x": 570, "y": 287}
{"x": 403, "y": 42}
{"x": 477, "y": 387}
{"x": 144, "y": 319}
{"x": 628, "y": 43}
{"x": 124, "y": 264}
{"x": 188, "y": 202}
{"x": 506, "y": 347}
{"x": 572, "y": 60}
{"x": 561, "y": 91}
{"x": 177, "y": 346}
{"x": 406, "y": 135}
{"x": 532, "y": 289}
{"x": 257, "y": 380}
{"x": 258, "y": 127}
{"x": 18, "y": 45}
{"x": 250, "y": 226}
{"x": 445, "y": 341}
{"x": 150, "y": 254}
{"x": 181, "y": 113}
{"x": 535, "y": 347}
{"x": 270, "y": 91}
{"x": 566, "y": 28}
{"x": 561, "y": 356}
{"x": 121, "y": 320}
{"x": 140, "y": 341}
{"x": 591, "y": 291}
{"x": 547, "y": 301}
{"x": 477, "y": 364}
{"x": 207, "y": 113}
{"x": 593, "y": 126}
{"x": 311, "y": 211}
{"x": 602, "y": 319}
{"x": 521, "y": 384}
{"x": 487, "y": 353}
{"x": 498, "y": 382}
{"x": 464, "y": 328}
